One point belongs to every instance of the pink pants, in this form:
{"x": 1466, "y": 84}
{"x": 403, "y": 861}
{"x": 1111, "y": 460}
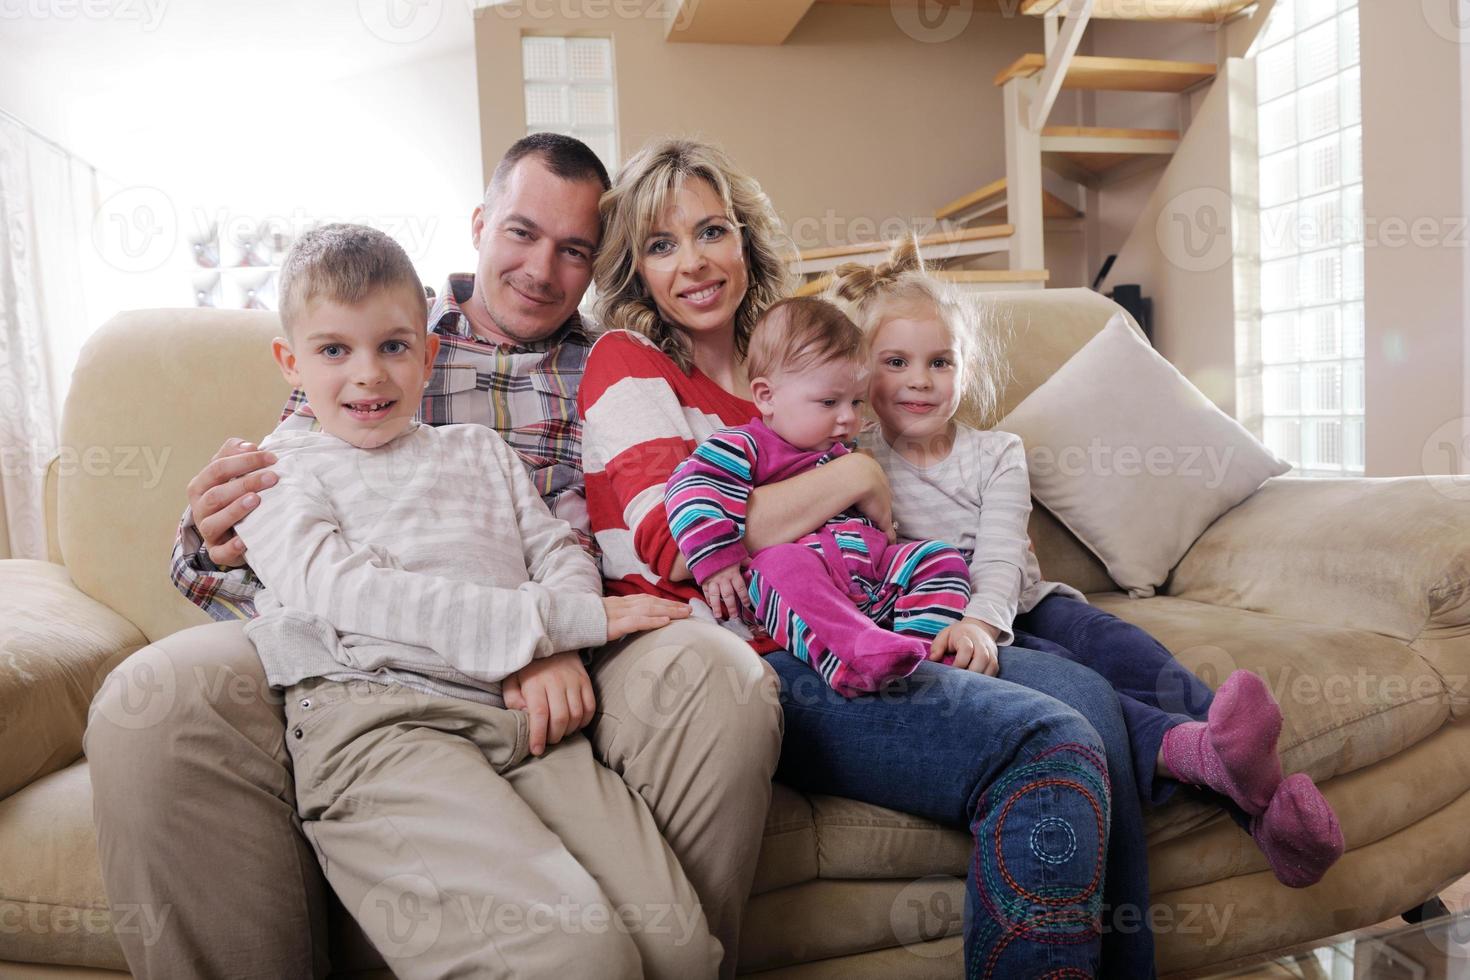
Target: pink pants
{"x": 826, "y": 598}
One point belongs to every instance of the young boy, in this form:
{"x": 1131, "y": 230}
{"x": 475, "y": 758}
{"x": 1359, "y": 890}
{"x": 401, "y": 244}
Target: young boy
{"x": 407, "y": 570}
{"x": 823, "y": 597}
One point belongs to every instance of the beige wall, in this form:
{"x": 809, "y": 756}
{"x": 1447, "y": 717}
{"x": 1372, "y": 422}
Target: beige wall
{"x": 851, "y": 126}
{"x": 1414, "y": 162}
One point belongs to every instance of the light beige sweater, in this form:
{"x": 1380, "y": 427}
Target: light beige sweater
{"x": 430, "y": 562}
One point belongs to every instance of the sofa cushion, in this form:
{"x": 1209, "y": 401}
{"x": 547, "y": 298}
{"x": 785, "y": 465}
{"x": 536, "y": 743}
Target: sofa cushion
{"x": 1132, "y": 458}
{"x": 52, "y": 905}
{"x": 789, "y": 848}
{"x": 1349, "y": 698}
{"x": 56, "y": 646}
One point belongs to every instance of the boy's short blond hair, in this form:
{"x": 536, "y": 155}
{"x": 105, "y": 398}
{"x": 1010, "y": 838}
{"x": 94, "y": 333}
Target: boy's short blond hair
{"x": 345, "y": 264}
{"x": 799, "y": 333}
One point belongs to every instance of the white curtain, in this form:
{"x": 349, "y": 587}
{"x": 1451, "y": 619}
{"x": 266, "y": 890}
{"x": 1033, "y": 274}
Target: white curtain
{"x": 47, "y": 197}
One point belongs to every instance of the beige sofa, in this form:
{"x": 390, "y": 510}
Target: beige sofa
{"x": 1351, "y": 596}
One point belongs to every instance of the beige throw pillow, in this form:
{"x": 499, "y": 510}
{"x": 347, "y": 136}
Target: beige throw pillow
{"x": 1132, "y": 458}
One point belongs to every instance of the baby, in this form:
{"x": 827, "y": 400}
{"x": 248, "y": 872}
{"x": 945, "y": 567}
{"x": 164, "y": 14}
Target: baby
{"x": 826, "y": 596}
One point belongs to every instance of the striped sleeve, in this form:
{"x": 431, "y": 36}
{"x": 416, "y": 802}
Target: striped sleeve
{"x": 706, "y": 501}
{"x": 1001, "y": 542}
{"x": 634, "y": 433}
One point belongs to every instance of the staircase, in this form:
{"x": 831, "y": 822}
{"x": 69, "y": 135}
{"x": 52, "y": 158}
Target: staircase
{"x": 1009, "y": 215}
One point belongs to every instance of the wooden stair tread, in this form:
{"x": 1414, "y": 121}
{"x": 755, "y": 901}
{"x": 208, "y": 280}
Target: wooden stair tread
{"x": 1111, "y": 133}
{"x": 938, "y": 238}
{"x": 1116, "y": 74}
{"x": 1208, "y": 11}
{"x": 995, "y": 191}
{"x": 958, "y": 276}
{"x": 1097, "y": 150}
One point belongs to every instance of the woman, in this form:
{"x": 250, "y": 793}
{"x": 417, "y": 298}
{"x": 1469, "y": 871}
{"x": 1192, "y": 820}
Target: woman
{"x": 688, "y": 262}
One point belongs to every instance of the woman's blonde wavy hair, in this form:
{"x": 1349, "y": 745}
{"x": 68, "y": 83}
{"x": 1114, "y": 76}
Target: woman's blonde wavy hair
{"x": 629, "y": 210}
{"x": 899, "y": 286}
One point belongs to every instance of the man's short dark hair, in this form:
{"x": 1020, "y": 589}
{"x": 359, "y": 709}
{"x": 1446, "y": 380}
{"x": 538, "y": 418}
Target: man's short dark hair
{"x": 566, "y": 156}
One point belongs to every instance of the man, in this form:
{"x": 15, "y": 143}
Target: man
{"x": 196, "y": 814}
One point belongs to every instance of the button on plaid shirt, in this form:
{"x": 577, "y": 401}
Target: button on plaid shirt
{"x": 525, "y": 392}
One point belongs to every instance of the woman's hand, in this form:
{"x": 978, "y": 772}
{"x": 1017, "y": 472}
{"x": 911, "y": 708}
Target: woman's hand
{"x": 636, "y": 613}
{"x": 556, "y": 693}
{"x": 225, "y": 491}
{"x": 968, "y": 645}
{"x": 726, "y": 592}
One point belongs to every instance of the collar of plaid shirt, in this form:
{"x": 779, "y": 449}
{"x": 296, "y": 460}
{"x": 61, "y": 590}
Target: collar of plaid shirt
{"x": 447, "y": 318}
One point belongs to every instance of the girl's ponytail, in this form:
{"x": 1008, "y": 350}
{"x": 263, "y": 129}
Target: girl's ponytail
{"x": 855, "y": 283}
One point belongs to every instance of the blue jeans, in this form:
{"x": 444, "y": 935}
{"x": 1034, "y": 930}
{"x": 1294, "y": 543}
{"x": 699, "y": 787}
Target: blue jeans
{"x": 1156, "y": 691}
{"x": 1127, "y": 941}
{"x": 1021, "y": 771}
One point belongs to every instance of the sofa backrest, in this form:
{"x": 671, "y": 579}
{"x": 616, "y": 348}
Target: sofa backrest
{"x": 155, "y": 393}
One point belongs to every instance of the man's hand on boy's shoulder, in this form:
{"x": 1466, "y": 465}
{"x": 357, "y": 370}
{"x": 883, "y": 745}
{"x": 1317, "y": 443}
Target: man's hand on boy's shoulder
{"x": 556, "y": 693}
{"x": 225, "y": 491}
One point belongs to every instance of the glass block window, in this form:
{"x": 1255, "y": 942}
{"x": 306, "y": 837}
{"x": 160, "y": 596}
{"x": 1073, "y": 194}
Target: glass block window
{"x": 1302, "y": 373}
{"x": 571, "y": 89}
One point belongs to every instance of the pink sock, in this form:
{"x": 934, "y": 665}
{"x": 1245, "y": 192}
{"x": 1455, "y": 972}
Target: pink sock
{"x": 1298, "y": 833}
{"x": 1234, "y": 752}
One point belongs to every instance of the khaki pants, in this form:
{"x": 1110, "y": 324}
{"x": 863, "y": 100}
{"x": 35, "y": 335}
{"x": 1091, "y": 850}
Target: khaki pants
{"x": 196, "y": 807}
{"x": 460, "y": 854}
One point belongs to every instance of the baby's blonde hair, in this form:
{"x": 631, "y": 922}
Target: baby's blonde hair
{"x": 899, "y": 286}
{"x": 646, "y": 183}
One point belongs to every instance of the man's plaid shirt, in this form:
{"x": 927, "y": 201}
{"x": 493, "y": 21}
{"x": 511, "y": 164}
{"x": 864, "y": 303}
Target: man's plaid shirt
{"x": 526, "y": 393}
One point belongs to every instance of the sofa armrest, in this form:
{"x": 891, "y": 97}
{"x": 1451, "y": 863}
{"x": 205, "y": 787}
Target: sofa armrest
{"x": 56, "y": 647}
{"x": 1390, "y": 556}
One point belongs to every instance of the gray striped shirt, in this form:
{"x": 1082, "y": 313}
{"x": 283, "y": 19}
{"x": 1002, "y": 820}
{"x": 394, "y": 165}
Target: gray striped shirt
{"x": 978, "y": 499}
{"x": 431, "y": 562}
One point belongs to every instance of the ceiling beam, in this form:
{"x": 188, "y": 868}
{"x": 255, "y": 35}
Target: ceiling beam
{"x": 733, "y": 21}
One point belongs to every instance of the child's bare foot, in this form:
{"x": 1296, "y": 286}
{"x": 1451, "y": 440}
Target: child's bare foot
{"x": 1234, "y": 751}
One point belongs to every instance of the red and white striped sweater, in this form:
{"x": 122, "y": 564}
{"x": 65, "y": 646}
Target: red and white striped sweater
{"x": 641, "y": 417}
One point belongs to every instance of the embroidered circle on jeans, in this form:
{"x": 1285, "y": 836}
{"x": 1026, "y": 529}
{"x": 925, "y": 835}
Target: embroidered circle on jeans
{"x": 1052, "y": 854}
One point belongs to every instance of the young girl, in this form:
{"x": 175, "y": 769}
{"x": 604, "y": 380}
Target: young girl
{"x": 971, "y": 488}
{"x": 826, "y": 596}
